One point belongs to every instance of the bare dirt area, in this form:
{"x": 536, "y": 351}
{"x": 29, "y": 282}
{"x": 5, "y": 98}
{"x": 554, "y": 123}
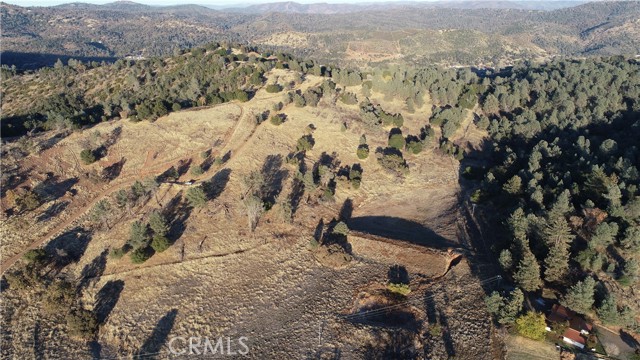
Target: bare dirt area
{"x": 220, "y": 279}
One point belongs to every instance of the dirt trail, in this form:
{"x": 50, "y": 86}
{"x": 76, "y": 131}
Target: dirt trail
{"x": 121, "y": 183}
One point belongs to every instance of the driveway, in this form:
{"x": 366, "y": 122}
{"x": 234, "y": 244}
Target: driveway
{"x": 615, "y": 345}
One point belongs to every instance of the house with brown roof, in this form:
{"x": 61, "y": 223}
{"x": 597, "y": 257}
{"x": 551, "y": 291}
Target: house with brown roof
{"x": 577, "y": 327}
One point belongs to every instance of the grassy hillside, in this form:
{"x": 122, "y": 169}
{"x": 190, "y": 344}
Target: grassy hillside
{"x": 159, "y": 235}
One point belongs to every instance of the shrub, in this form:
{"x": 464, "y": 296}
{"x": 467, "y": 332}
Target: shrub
{"x": 625, "y": 280}
{"x": 363, "y": 151}
{"x": 305, "y": 143}
{"x": 298, "y": 100}
{"x": 349, "y": 98}
{"x": 27, "y": 201}
{"x": 328, "y": 194}
{"x": 397, "y": 141}
{"x": 310, "y": 129}
{"x": 477, "y": 196}
{"x": 277, "y": 119}
{"x": 392, "y": 159}
{"x": 87, "y": 156}
{"x": 415, "y": 147}
{"x": 241, "y": 96}
{"x": 313, "y": 244}
{"x": 160, "y": 243}
{"x": 117, "y": 253}
{"x": 532, "y": 325}
{"x": 435, "y": 330}
{"x": 391, "y": 119}
{"x": 59, "y": 297}
{"x": 140, "y": 255}
{"x": 355, "y": 176}
{"x": 341, "y": 229}
{"x": 402, "y": 289}
{"x": 82, "y": 324}
{"x": 274, "y": 88}
{"x": 196, "y": 196}
{"x": 196, "y": 170}
{"x": 312, "y": 97}
{"x": 18, "y": 280}
{"x": 35, "y": 256}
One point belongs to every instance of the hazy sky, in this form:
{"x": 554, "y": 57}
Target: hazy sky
{"x": 175, "y": 2}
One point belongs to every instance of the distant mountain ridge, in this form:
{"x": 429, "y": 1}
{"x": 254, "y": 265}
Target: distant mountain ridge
{"x": 337, "y": 8}
{"x": 448, "y": 33}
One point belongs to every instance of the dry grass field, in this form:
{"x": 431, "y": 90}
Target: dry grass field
{"x": 220, "y": 279}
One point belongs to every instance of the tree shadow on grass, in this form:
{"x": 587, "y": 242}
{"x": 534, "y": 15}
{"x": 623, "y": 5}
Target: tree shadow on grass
{"x": 226, "y": 157}
{"x": 183, "y": 167}
{"x": 295, "y": 196}
{"x": 53, "y": 188}
{"x": 52, "y": 211}
{"x": 437, "y": 317}
{"x": 177, "y": 212}
{"x": 113, "y": 171}
{"x": 152, "y": 346}
{"x": 399, "y": 229}
{"x": 68, "y": 248}
{"x": 206, "y": 164}
{"x": 38, "y": 343}
{"x": 274, "y": 177}
{"x": 93, "y": 270}
{"x": 216, "y": 185}
{"x": 346, "y": 211}
{"x": 395, "y": 344}
{"x": 107, "y": 298}
{"x": 53, "y": 140}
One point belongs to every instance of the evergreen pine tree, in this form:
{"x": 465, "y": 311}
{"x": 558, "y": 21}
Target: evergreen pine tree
{"x": 580, "y": 297}
{"x": 527, "y": 275}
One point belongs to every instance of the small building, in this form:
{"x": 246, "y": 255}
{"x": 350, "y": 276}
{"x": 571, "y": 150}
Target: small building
{"x": 573, "y": 337}
{"x": 577, "y": 327}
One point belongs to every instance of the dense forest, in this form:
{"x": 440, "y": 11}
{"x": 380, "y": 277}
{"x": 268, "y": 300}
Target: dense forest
{"x": 564, "y": 173}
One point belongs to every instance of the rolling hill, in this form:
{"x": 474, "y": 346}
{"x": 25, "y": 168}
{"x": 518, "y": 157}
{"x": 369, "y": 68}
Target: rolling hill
{"x": 464, "y": 33}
